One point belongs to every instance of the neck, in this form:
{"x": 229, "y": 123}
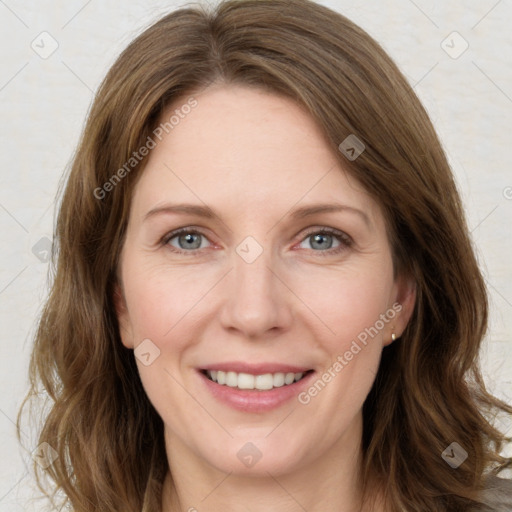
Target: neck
{"x": 329, "y": 482}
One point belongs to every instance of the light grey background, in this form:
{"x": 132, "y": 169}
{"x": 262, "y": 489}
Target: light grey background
{"x": 44, "y": 101}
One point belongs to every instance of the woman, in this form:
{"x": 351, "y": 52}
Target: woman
{"x": 265, "y": 293}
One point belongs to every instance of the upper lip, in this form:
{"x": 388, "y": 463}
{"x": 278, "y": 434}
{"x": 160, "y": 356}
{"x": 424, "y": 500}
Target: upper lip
{"x": 255, "y": 368}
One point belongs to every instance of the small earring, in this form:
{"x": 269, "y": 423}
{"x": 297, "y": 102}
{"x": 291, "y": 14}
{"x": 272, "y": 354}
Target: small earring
{"x": 393, "y": 336}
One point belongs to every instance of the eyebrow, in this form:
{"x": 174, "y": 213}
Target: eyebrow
{"x": 307, "y": 211}
{"x": 191, "y": 209}
{"x": 299, "y": 213}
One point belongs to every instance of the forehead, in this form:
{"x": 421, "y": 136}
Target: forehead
{"x": 241, "y": 147}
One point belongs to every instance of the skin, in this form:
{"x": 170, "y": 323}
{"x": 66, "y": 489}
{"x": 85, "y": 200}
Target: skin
{"x": 253, "y": 158}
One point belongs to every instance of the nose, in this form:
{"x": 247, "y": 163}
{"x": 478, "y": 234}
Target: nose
{"x": 258, "y": 302}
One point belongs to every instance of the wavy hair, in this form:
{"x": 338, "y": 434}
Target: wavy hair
{"x": 428, "y": 391}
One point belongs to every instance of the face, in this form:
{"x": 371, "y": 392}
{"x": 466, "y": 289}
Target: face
{"x": 253, "y": 258}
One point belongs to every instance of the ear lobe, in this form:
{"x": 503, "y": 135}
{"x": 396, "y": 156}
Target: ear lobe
{"x": 123, "y": 317}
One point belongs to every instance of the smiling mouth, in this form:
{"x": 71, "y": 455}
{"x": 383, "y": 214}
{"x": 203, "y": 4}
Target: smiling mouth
{"x": 247, "y": 381}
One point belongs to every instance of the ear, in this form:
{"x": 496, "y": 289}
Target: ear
{"x": 123, "y": 317}
{"x": 403, "y": 302}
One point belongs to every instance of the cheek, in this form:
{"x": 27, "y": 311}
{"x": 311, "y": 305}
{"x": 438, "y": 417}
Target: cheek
{"x": 351, "y": 306}
{"x": 351, "y": 336}
{"x": 347, "y": 303}
{"x": 160, "y": 299}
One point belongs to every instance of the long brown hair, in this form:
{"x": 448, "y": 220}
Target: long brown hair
{"x": 428, "y": 391}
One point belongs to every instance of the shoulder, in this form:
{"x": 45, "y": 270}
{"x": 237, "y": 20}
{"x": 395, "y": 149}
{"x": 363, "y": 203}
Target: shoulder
{"x": 497, "y": 496}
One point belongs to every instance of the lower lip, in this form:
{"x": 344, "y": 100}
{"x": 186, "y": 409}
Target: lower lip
{"x": 248, "y": 400}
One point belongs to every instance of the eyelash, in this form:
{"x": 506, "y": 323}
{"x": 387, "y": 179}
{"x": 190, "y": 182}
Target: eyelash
{"x": 345, "y": 240}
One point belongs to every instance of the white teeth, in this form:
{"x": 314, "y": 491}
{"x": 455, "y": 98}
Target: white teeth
{"x": 290, "y": 377}
{"x": 231, "y": 379}
{"x": 278, "y": 380}
{"x": 262, "y": 382}
{"x": 245, "y": 381}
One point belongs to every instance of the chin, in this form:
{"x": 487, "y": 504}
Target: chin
{"x": 246, "y": 456}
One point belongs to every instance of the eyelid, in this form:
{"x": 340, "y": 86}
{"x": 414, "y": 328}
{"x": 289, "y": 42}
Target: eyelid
{"x": 164, "y": 241}
{"x": 328, "y": 230}
{"x": 344, "y": 239}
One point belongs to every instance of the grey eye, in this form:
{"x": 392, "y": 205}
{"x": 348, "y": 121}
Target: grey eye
{"x": 321, "y": 241}
{"x": 187, "y": 241}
